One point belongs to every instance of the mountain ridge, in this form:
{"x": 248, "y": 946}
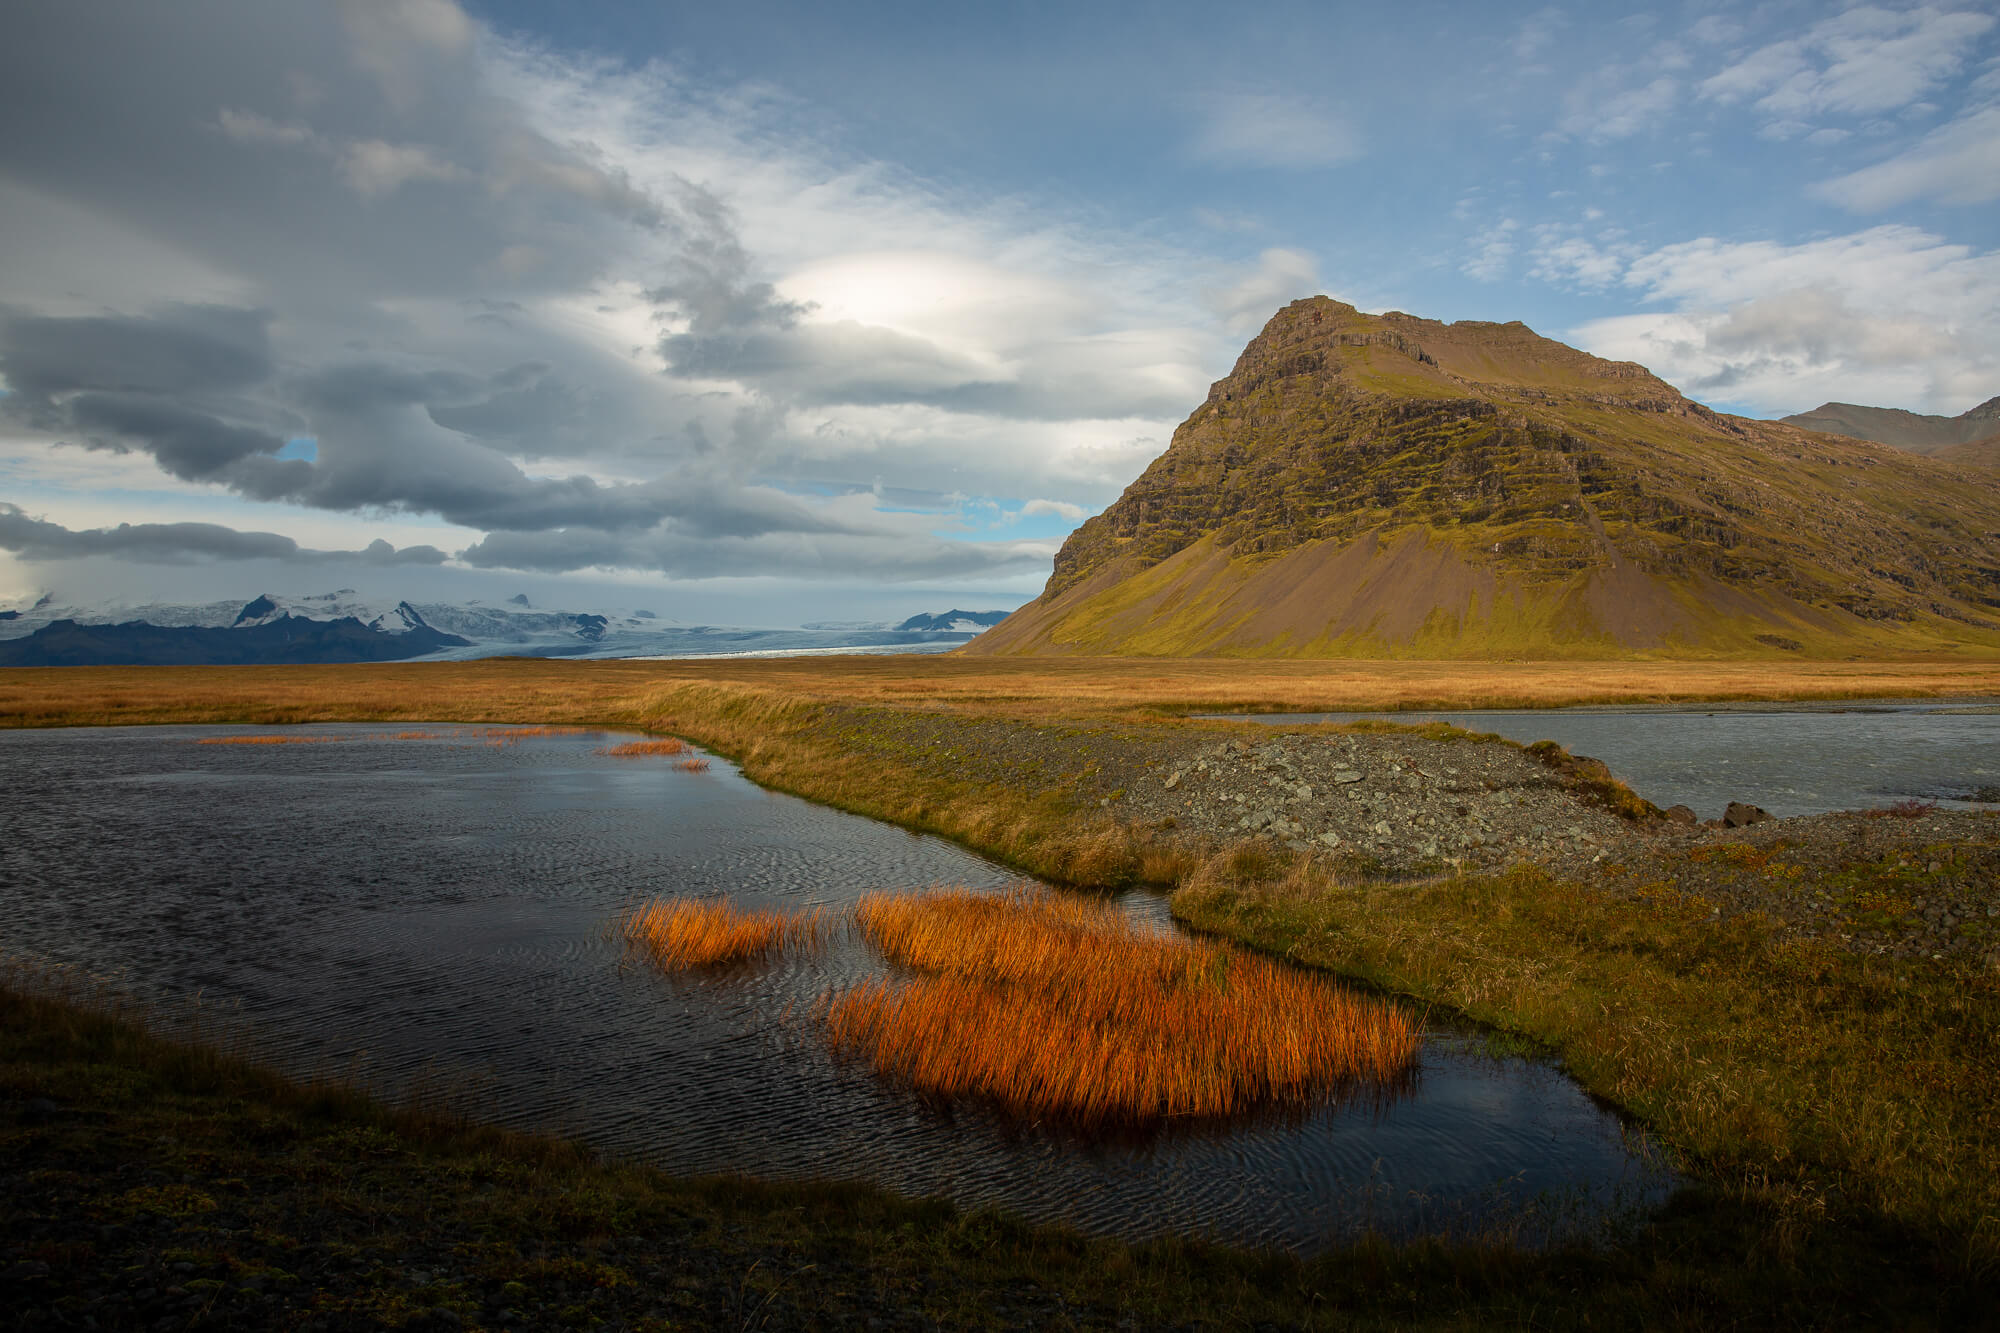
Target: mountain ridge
{"x": 344, "y": 626}
{"x": 1387, "y": 485}
{"x": 1919, "y": 433}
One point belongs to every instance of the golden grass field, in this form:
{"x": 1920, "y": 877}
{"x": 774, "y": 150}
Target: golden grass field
{"x": 608, "y": 693}
{"x": 1059, "y": 1007}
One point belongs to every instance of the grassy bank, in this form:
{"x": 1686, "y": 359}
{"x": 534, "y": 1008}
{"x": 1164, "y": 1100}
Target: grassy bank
{"x": 1850, "y": 1100}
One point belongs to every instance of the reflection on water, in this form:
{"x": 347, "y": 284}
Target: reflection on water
{"x": 1790, "y": 759}
{"x": 448, "y": 904}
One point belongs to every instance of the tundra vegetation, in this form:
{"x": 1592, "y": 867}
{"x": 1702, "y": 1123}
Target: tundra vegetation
{"x": 682, "y": 933}
{"x": 1059, "y": 1008}
{"x": 1835, "y": 1112}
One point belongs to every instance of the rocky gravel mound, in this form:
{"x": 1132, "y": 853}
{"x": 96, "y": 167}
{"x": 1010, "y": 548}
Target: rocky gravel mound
{"x": 1390, "y": 803}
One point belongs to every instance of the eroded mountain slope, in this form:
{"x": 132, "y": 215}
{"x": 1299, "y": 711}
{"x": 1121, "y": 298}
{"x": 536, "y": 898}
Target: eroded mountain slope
{"x": 1365, "y": 485}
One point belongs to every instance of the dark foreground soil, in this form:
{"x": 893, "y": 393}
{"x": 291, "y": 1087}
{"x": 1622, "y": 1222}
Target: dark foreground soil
{"x": 178, "y": 1198}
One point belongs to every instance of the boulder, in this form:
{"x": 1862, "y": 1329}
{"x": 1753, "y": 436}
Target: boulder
{"x": 1738, "y": 815}
{"x": 1680, "y": 814}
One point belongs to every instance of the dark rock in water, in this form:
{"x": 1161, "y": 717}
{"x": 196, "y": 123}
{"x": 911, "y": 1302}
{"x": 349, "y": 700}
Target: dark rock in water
{"x": 1681, "y": 814}
{"x": 1990, "y": 795}
{"x": 1738, "y": 815}
{"x": 518, "y": 599}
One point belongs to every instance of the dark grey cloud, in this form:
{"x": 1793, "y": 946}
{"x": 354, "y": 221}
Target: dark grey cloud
{"x": 883, "y": 556}
{"x": 183, "y": 543}
{"x": 339, "y": 221}
{"x": 182, "y": 349}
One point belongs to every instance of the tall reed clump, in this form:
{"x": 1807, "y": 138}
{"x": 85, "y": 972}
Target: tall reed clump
{"x": 643, "y": 749}
{"x": 684, "y": 933}
{"x": 1058, "y": 1007}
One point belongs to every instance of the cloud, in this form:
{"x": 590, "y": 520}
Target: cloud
{"x": 905, "y": 556}
{"x": 1612, "y": 104}
{"x": 374, "y": 167}
{"x": 1059, "y": 508}
{"x": 1537, "y": 33}
{"x": 583, "y": 309}
{"x": 1281, "y": 276}
{"x": 183, "y": 543}
{"x": 1494, "y": 252}
{"x": 1864, "y": 61}
{"x": 1958, "y": 163}
{"x": 1891, "y": 316}
{"x": 1559, "y": 256}
{"x": 1273, "y": 130}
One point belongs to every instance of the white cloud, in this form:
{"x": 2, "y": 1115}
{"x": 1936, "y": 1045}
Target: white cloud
{"x": 249, "y": 127}
{"x": 1059, "y": 508}
{"x": 1612, "y": 104}
{"x": 1216, "y": 219}
{"x": 1272, "y": 130}
{"x": 1957, "y": 163}
{"x": 374, "y": 167}
{"x": 1567, "y": 259}
{"x": 1537, "y": 33}
{"x": 1714, "y": 30}
{"x": 1891, "y": 316}
{"x": 1863, "y": 61}
{"x": 1493, "y": 252}
{"x": 1281, "y": 276}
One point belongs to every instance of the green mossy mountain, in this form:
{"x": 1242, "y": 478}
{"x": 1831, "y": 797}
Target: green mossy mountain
{"x": 1383, "y": 485}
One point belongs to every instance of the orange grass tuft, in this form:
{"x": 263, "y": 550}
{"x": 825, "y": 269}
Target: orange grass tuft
{"x": 684, "y": 933}
{"x": 638, "y": 749}
{"x": 694, "y": 765}
{"x": 1057, "y": 1006}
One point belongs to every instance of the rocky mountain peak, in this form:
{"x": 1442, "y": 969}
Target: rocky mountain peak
{"x": 1361, "y": 485}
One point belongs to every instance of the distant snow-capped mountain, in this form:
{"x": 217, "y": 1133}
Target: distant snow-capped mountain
{"x": 955, "y": 621}
{"x": 345, "y": 626}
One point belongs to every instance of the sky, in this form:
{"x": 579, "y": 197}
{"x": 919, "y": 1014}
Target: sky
{"x": 765, "y": 313}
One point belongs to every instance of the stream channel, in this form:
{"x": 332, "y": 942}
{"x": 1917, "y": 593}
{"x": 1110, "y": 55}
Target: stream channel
{"x": 1791, "y": 759}
{"x": 441, "y": 912}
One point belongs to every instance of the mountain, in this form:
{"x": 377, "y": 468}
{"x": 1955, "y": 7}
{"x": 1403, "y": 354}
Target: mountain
{"x": 1970, "y": 437}
{"x": 1385, "y": 485}
{"x": 267, "y": 638}
{"x": 955, "y": 621}
{"x": 345, "y": 627}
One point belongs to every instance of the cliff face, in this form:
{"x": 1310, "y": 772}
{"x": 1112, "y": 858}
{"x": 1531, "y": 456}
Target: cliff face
{"x": 1367, "y": 485}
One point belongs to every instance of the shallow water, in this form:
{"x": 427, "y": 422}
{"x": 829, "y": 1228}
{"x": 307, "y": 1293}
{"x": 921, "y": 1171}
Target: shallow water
{"x": 1791, "y": 760}
{"x": 442, "y": 909}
